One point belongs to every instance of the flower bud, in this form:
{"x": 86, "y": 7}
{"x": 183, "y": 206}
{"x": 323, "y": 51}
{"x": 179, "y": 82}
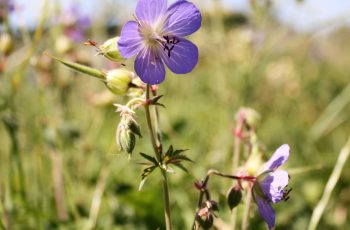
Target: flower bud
{"x": 125, "y": 138}
{"x": 118, "y": 81}
{"x": 63, "y": 44}
{"x": 110, "y": 50}
{"x": 234, "y": 196}
{"x": 6, "y": 43}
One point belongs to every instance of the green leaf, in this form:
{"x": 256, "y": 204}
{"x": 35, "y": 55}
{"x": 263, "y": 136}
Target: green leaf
{"x": 145, "y": 174}
{"x": 149, "y": 158}
{"x": 170, "y": 151}
{"x": 181, "y": 158}
{"x": 179, "y": 165}
{"x": 177, "y": 152}
{"x": 81, "y": 68}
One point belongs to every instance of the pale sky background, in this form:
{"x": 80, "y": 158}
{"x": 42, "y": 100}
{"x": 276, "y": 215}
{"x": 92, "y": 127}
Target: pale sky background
{"x": 306, "y": 16}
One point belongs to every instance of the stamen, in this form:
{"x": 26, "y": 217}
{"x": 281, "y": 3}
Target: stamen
{"x": 169, "y": 44}
{"x": 285, "y": 196}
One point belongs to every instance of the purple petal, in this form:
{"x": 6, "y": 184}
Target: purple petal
{"x": 183, "y": 18}
{"x": 266, "y": 211}
{"x": 274, "y": 184}
{"x": 149, "y": 68}
{"x": 183, "y": 57}
{"x": 150, "y": 10}
{"x": 278, "y": 158}
{"x": 130, "y": 42}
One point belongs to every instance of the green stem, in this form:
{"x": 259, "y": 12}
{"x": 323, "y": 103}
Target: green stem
{"x": 157, "y": 152}
{"x": 235, "y": 161}
{"x": 245, "y": 221}
{"x": 332, "y": 182}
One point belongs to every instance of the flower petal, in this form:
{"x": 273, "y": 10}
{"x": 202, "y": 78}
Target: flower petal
{"x": 130, "y": 42}
{"x": 266, "y": 211}
{"x": 183, "y": 18}
{"x": 273, "y": 185}
{"x": 278, "y": 158}
{"x": 150, "y": 10}
{"x": 182, "y": 58}
{"x": 149, "y": 68}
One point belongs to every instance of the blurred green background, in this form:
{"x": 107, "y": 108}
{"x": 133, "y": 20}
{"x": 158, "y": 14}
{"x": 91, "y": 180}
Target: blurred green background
{"x": 59, "y": 164}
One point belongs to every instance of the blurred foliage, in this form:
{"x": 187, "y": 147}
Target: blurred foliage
{"x": 58, "y": 127}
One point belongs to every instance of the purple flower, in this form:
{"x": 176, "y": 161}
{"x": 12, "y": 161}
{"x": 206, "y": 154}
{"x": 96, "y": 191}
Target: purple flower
{"x": 270, "y": 185}
{"x": 156, "y": 38}
{"x": 75, "y": 23}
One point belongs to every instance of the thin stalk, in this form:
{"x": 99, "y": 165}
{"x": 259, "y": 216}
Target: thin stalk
{"x": 58, "y": 185}
{"x": 245, "y": 221}
{"x": 235, "y": 161}
{"x": 158, "y": 156}
{"x": 332, "y": 182}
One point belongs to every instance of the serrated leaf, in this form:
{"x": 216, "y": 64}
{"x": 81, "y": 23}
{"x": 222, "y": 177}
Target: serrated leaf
{"x": 81, "y": 68}
{"x": 149, "y": 158}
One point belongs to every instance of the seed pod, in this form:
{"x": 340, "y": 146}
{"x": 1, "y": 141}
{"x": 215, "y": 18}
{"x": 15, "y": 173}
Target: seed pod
{"x": 234, "y": 196}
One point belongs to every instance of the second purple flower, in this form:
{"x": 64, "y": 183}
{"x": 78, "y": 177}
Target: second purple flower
{"x": 156, "y": 38}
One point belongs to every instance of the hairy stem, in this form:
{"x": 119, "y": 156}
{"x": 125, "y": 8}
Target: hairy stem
{"x": 157, "y": 152}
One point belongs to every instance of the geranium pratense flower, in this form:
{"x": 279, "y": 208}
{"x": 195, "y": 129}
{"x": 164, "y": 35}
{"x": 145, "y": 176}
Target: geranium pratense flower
{"x": 270, "y": 185}
{"x": 156, "y": 38}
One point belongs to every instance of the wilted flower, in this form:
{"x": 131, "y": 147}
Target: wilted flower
{"x": 156, "y": 38}
{"x": 270, "y": 185}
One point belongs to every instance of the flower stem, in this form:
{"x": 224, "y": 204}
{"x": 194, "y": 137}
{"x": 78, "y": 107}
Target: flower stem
{"x": 157, "y": 152}
{"x": 235, "y": 161}
{"x": 245, "y": 221}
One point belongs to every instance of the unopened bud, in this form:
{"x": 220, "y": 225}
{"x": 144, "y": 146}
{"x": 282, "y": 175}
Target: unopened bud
{"x": 63, "y": 44}
{"x": 234, "y": 196}
{"x": 118, "y": 81}
{"x": 6, "y": 43}
{"x": 110, "y": 50}
{"x": 125, "y": 138}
